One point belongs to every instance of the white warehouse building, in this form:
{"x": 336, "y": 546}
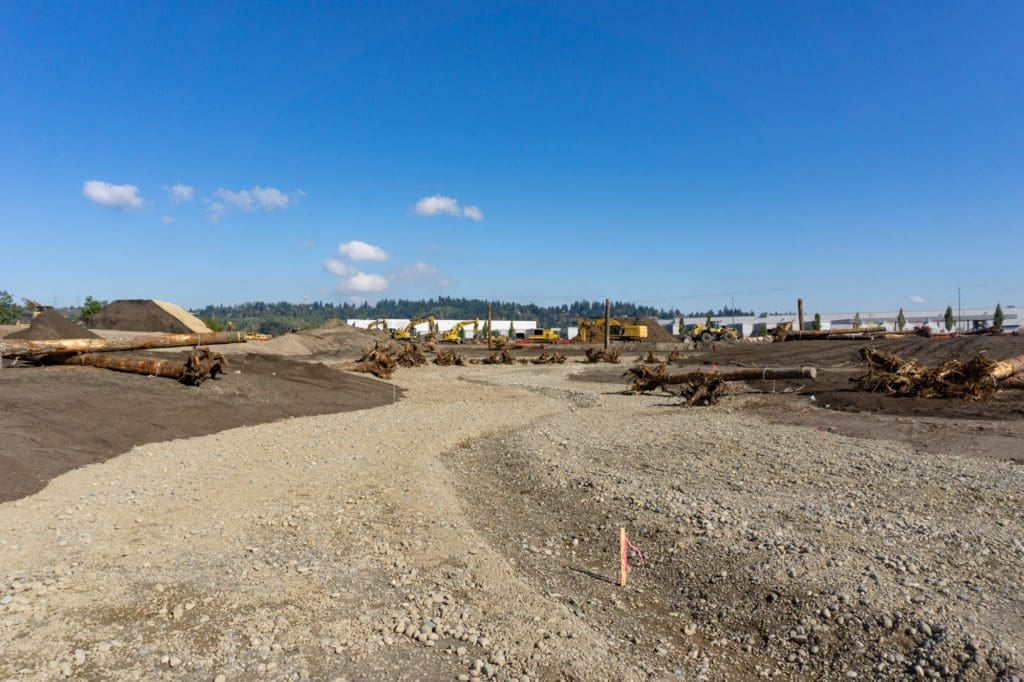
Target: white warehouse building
{"x": 500, "y": 326}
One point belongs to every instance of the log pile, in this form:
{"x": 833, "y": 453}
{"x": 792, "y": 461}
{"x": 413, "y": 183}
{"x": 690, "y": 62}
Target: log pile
{"x": 975, "y": 379}
{"x": 784, "y": 332}
{"x": 201, "y": 364}
{"x": 53, "y": 349}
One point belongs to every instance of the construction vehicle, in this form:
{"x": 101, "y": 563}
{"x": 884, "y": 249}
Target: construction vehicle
{"x": 409, "y": 331}
{"x": 592, "y": 331}
{"x": 542, "y": 335}
{"x": 453, "y": 335}
{"x": 381, "y": 324}
{"x": 709, "y": 332}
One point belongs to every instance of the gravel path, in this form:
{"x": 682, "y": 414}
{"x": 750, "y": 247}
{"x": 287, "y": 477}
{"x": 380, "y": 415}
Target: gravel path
{"x": 470, "y": 531}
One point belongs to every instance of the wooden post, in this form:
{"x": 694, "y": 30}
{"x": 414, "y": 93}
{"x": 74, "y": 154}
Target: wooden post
{"x": 490, "y": 332}
{"x": 623, "y": 557}
{"x": 800, "y": 315}
{"x": 607, "y": 322}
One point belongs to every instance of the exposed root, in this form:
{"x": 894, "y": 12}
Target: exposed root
{"x": 411, "y": 355}
{"x": 888, "y": 373}
{"x": 545, "y": 359}
{"x": 202, "y": 364}
{"x": 505, "y": 358}
{"x": 653, "y": 359}
{"x": 699, "y": 388}
{"x": 601, "y": 355}
{"x": 376, "y": 361}
{"x": 447, "y": 358}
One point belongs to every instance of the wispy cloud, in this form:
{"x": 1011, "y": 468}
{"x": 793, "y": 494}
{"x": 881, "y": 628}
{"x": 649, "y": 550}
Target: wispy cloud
{"x": 339, "y": 268}
{"x": 357, "y": 250}
{"x": 166, "y": 219}
{"x": 914, "y": 298}
{"x": 442, "y": 205}
{"x": 421, "y": 273}
{"x": 112, "y": 196}
{"x": 255, "y": 199}
{"x": 180, "y": 193}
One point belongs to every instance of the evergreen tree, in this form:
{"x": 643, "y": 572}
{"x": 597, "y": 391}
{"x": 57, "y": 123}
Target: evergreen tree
{"x": 817, "y": 322}
{"x": 856, "y": 321}
{"x": 10, "y": 312}
{"x": 707, "y": 321}
{"x": 511, "y": 331}
{"x": 901, "y": 320}
{"x": 997, "y": 317}
{"x": 949, "y": 319}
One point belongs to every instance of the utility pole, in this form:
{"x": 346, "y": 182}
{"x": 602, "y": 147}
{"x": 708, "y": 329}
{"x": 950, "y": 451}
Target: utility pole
{"x": 607, "y": 322}
{"x": 732, "y": 305}
{"x": 800, "y": 316}
{"x": 489, "y": 335}
{"x": 959, "y": 313}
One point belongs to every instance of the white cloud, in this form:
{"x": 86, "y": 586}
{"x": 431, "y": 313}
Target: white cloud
{"x": 438, "y": 205}
{"x": 255, "y": 199}
{"x": 914, "y": 298}
{"x": 363, "y": 283}
{"x": 166, "y": 219}
{"x": 180, "y": 193}
{"x": 113, "y": 196}
{"x": 421, "y": 273}
{"x": 339, "y": 268}
{"x": 357, "y": 250}
{"x": 266, "y": 198}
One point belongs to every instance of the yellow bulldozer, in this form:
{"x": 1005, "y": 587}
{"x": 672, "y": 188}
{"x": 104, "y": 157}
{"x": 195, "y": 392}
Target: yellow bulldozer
{"x": 592, "y": 331}
{"x": 542, "y": 335}
{"x": 408, "y": 332}
{"x": 709, "y": 332}
{"x": 457, "y": 334}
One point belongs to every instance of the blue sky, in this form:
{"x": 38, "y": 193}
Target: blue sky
{"x": 861, "y": 155}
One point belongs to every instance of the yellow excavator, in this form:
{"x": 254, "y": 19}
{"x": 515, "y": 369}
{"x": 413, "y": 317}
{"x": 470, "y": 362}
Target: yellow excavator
{"x": 592, "y": 331}
{"x": 453, "y": 336}
{"x": 378, "y": 324}
{"x": 409, "y": 331}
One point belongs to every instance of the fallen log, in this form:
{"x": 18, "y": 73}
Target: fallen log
{"x": 647, "y": 378}
{"x": 787, "y": 334}
{"x": 200, "y": 365}
{"x": 37, "y": 350}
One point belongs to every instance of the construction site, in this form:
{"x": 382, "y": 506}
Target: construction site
{"x": 485, "y": 499}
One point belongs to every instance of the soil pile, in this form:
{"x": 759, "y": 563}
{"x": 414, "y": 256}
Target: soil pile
{"x": 55, "y": 419}
{"x": 147, "y": 315}
{"x": 50, "y": 324}
{"x": 333, "y": 337}
{"x": 655, "y": 332}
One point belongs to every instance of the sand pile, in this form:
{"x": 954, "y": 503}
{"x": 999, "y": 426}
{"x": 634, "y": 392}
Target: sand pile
{"x": 50, "y": 324}
{"x": 333, "y": 337}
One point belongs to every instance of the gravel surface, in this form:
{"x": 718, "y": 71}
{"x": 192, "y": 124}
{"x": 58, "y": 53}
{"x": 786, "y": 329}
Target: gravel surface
{"x": 470, "y": 532}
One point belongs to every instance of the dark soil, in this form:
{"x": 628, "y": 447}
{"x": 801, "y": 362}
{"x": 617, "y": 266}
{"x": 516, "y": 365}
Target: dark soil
{"x": 50, "y": 324}
{"x": 987, "y": 428}
{"x": 54, "y": 419}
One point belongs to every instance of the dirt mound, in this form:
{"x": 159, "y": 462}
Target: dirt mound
{"x": 147, "y": 315}
{"x": 50, "y": 324}
{"x": 333, "y": 337}
{"x": 655, "y": 332}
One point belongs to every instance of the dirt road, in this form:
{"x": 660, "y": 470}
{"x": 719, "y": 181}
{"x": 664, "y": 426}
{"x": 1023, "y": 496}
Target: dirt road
{"x": 471, "y": 530}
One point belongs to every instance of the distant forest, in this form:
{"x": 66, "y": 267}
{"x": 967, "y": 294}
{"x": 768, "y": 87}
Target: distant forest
{"x": 279, "y": 318}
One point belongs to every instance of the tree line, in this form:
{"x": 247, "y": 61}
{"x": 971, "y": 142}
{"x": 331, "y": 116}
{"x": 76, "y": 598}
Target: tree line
{"x": 281, "y": 317}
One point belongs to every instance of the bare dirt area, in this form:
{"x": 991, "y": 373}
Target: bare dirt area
{"x": 985, "y": 428}
{"x": 53, "y": 419}
{"x": 470, "y": 532}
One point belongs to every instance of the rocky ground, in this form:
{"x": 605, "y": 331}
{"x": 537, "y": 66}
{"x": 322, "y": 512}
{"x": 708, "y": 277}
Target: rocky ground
{"x": 471, "y": 531}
